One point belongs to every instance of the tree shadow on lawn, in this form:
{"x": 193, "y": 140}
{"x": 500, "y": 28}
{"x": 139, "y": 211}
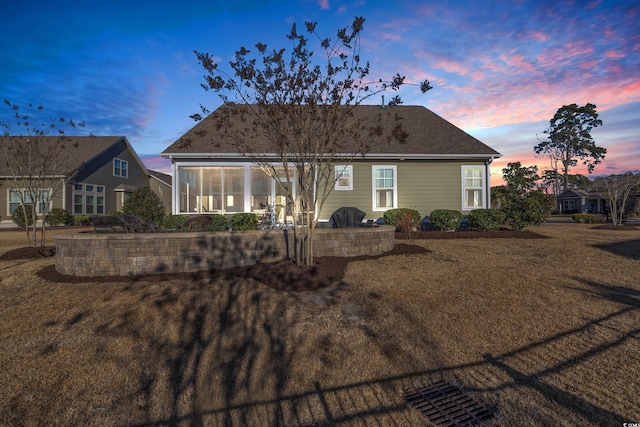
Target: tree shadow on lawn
{"x": 626, "y": 248}
{"x": 213, "y": 370}
{"x": 212, "y": 347}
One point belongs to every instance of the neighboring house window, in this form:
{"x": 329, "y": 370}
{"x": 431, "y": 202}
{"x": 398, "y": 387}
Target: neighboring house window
{"x": 385, "y": 187}
{"x": 88, "y": 199}
{"x": 344, "y": 177}
{"x": 568, "y": 205}
{"x": 120, "y": 168}
{"x": 473, "y": 187}
{"x": 17, "y": 196}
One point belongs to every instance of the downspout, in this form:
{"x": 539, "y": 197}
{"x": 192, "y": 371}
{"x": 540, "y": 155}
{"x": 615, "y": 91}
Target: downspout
{"x": 487, "y": 164}
{"x": 175, "y": 189}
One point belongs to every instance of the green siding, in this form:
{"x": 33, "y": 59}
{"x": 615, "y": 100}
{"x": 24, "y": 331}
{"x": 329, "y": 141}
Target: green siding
{"x": 422, "y": 185}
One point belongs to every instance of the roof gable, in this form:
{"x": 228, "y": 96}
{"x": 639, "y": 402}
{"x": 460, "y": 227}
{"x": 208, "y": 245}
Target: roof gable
{"x": 77, "y": 151}
{"x": 427, "y": 134}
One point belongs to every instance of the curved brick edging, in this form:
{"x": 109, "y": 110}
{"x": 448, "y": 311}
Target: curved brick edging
{"x": 91, "y": 254}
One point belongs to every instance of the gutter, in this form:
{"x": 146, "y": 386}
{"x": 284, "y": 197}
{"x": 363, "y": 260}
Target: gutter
{"x": 397, "y": 156}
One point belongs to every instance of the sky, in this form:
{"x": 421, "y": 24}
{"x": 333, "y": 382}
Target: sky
{"x": 500, "y": 69}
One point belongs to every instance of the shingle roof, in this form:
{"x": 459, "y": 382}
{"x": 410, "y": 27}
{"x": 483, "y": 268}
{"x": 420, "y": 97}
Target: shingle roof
{"x": 163, "y": 177}
{"x": 428, "y": 134}
{"x": 76, "y": 150}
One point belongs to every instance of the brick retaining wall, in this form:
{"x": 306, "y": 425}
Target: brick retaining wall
{"x": 91, "y": 254}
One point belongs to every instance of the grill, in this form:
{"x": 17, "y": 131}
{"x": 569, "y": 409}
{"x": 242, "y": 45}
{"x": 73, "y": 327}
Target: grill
{"x": 446, "y": 405}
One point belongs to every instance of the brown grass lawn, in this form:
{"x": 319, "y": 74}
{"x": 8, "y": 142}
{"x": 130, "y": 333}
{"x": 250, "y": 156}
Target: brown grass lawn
{"x": 545, "y": 331}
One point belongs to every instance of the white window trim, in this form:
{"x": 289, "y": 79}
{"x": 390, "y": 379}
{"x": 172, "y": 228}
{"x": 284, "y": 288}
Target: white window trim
{"x": 373, "y": 187}
{"x": 84, "y": 193}
{"x": 483, "y": 188}
{"x": 338, "y": 171}
{"x": 126, "y": 162}
{"x": 39, "y": 212}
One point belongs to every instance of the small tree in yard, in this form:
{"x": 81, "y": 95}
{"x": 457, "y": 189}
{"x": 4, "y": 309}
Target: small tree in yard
{"x": 39, "y": 164}
{"x": 145, "y": 204}
{"x": 521, "y": 202}
{"x": 304, "y": 106}
{"x": 616, "y": 189}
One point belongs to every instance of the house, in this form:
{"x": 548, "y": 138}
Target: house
{"x": 436, "y": 166}
{"x": 160, "y": 184}
{"x": 107, "y": 170}
{"x": 576, "y": 200}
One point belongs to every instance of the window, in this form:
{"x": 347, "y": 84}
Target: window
{"x": 17, "y": 196}
{"x": 260, "y": 189}
{"x": 473, "y": 187}
{"x": 211, "y": 189}
{"x": 568, "y": 205}
{"x": 385, "y": 187}
{"x": 120, "y": 168}
{"x": 344, "y": 177}
{"x": 86, "y": 199}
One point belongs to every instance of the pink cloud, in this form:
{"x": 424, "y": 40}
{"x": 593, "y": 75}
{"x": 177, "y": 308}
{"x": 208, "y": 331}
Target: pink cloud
{"x": 391, "y": 36}
{"x": 614, "y": 54}
{"x": 518, "y": 62}
{"x": 538, "y": 35}
{"x": 324, "y": 4}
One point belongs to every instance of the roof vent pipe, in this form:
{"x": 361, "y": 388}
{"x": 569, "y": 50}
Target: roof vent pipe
{"x": 382, "y": 101}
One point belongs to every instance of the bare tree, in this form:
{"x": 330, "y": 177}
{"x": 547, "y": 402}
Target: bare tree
{"x": 305, "y": 107}
{"x": 38, "y": 163}
{"x": 616, "y": 189}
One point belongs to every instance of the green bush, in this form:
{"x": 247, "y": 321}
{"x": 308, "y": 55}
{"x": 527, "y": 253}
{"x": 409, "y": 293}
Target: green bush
{"x": 145, "y": 204}
{"x": 394, "y": 216}
{"x": 18, "y": 216}
{"x": 244, "y": 221}
{"x": 486, "y": 219}
{"x": 219, "y": 223}
{"x": 57, "y": 217}
{"x": 171, "y": 222}
{"x": 587, "y": 218}
{"x": 83, "y": 220}
{"x": 446, "y": 219}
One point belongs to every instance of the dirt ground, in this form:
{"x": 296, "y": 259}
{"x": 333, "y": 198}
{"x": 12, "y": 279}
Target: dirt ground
{"x": 541, "y": 326}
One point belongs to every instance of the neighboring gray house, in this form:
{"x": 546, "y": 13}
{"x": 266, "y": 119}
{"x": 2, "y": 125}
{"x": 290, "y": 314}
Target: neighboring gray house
{"x": 589, "y": 201}
{"x": 438, "y": 166}
{"x": 575, "y": 200}
{"x": 108, "y": 170}
{"x": 160, "y": 183}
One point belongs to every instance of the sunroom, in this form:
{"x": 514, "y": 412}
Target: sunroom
{"x": 206, "y": 188}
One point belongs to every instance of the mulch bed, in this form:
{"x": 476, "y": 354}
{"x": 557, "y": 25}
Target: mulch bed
{"x": 280, "y": 275}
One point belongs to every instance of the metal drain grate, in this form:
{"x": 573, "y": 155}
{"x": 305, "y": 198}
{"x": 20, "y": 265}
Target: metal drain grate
{"x": 446, "y": 405}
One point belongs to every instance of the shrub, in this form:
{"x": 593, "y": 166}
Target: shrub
{"x": 408, "y": 225}
{"x": 83, "y": 220}
{"x": 394, "y": 216}
{"x": 587, "y": 218}
{"x": 171, "y": 222}
{"x": 486, "y": 219}
{"x": 145, "y": 204}
{"x": 57, "y": 217}
{"x": 18, "y": 216}
{"x": 446, "y": 219}
{"x": 219, "y": 223}
{"x": 244, "y": 221}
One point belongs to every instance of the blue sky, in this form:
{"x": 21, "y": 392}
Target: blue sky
{"x": 500, "y": 69}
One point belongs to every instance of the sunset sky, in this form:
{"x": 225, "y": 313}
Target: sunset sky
{"x": 500, "y": 69}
